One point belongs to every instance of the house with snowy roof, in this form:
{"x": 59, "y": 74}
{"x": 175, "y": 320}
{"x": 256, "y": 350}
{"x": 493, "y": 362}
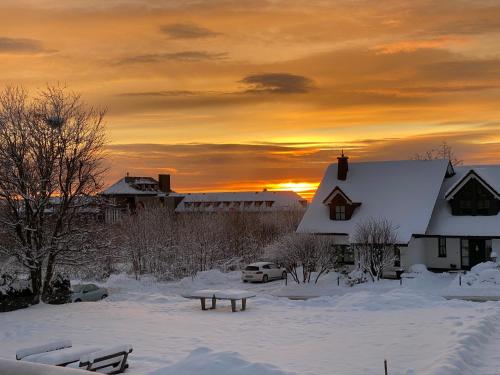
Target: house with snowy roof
{"x": 445, "y": 217}
{"x": 131, "y": 193}
{"x": 255, "y": 201}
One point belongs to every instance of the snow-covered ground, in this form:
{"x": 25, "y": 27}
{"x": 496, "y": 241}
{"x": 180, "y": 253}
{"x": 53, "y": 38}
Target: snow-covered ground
{"x": 345, "y": 331}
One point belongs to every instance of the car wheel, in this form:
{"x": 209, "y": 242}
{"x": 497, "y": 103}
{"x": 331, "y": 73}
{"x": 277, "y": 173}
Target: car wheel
{"x": 245, "y": 281}
{"x": 283, "y": 275}
{"x": 104, "y": 296}
{"x": 78, "y": 300}
{"x": 265, "y": 279}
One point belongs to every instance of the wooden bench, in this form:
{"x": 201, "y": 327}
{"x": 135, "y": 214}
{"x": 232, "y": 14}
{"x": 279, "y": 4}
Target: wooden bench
{"x": 232, "y": 295}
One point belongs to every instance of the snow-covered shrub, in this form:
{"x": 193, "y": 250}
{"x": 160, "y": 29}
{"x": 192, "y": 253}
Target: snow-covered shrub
{"x": 355, "y": 277}
{"x": 418, "y": 268}
{"x": 58, "y": 291}
{"x": 14, "y": 293}
{"x": 482, "y": 274}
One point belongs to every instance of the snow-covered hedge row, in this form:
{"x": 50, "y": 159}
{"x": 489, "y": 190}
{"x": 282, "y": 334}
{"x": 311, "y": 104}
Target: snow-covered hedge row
{"x": 14, "y": 293}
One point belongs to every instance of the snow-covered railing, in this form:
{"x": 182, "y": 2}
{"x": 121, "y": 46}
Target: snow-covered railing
{"x": 10, "y": 367}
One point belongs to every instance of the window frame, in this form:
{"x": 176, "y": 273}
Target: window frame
{"x": 464, "y": 248}
{"x": 442, "y": 250}
{"x": 340, "y": 212}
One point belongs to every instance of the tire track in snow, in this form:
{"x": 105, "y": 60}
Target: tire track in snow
{"x": 490, "y": 356}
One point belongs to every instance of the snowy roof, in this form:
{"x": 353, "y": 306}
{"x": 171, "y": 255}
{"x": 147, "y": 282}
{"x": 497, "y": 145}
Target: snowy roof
{"x": 129, "y": 186}
{"x": 444, "y": 223}
{"x": 248, "y": 201}
{"x": 403, "y": 192}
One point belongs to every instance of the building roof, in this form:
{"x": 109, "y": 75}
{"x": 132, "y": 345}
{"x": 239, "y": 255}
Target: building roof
{"x": 443, "y": 223}
{"x": 256, "y": 201}
{"x": 130, "y": 186}
{"x": 403, "y": 192}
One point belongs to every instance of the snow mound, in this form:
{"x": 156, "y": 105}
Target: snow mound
{"x": 478, "y": 268}
{"x": 482, "y": 275}
{"x": 205, "y": 361}
{"x": 418, "y": 268}
{"x": 483, "y": 280}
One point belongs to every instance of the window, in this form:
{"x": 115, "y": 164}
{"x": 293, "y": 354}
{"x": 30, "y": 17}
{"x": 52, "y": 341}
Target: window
{"x": 474, "y": 199}
{"x": 339, "y": 212}
{"x": 346, "y": 254}
{"x": 464, "y": 245}
{"x": 397, "y": 257}
{"x": 489, "y": 248}
{"x": 442, "y": 247}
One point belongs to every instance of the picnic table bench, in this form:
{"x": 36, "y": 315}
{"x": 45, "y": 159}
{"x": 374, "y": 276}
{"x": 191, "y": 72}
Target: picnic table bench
{"x": 232, "y": 295}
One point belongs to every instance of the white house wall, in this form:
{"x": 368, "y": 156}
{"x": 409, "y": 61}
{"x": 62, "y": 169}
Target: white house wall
{"x": 424, "y": 250}
{"x": 414, "y": 253}
{"x": 452, "y": 253}
{"x": 495, "y": 246}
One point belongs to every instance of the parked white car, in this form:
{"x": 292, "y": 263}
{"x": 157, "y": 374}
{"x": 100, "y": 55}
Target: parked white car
{"x": 262, "y": 271}
{"x": 87, "y": 292}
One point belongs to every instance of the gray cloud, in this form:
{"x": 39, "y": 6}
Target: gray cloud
{"x": 187, "y": 31}
{"x": 283, "y": 83}
{"x": 20, "y": 45}
{"x": 186, "y": 56}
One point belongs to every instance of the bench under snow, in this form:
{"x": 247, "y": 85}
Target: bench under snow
{"x": 232, "y": 295}
{"x": 62, "y": 353}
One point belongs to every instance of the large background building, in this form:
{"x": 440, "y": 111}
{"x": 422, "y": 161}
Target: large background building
{"x": 130, "y": 194}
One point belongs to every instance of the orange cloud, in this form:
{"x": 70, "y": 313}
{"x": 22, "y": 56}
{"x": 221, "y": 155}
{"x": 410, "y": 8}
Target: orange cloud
{"x": 416, "y": 44}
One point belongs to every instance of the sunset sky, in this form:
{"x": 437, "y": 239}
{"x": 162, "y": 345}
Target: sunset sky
{"x": 247, "y": 94}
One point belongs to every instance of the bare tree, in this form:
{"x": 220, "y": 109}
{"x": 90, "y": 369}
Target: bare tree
{"x": 174, "y": 246}
{"x": 444, "y": 151}
{"x": 308, "y": 253}
{"x": 375, "y": 244}
{"x": 51, "y": 162}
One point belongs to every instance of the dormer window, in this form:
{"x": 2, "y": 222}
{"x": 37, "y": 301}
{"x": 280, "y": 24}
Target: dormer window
{"x": 340, "y": 206}
{"x": 473, "y": 196}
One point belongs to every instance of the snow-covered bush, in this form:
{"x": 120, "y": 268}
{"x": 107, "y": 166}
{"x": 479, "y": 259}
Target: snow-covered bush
{"x": 355, "y": 277}
{"x": 59, "y": 291}
{"x": 482, "y": 274}
{"x": 418, "y": 268}
{"x": 14, "y": 293}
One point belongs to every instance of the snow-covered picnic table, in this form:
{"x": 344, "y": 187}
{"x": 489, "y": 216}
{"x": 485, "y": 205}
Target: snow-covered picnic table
{"x": 215, "y": 294}
{"x": 62, "y": 353}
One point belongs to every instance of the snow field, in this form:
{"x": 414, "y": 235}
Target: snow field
{"x": 347, "y": 331}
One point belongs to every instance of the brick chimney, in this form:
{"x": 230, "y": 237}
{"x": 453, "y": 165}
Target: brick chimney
{"x": 164, "y": 183}
{"x": 343, "y": 167}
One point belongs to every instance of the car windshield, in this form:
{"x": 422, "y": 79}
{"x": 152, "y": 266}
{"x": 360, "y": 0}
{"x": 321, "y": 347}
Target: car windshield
{"x": 251, "y": 268}
{"x": 77, "y": 288}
